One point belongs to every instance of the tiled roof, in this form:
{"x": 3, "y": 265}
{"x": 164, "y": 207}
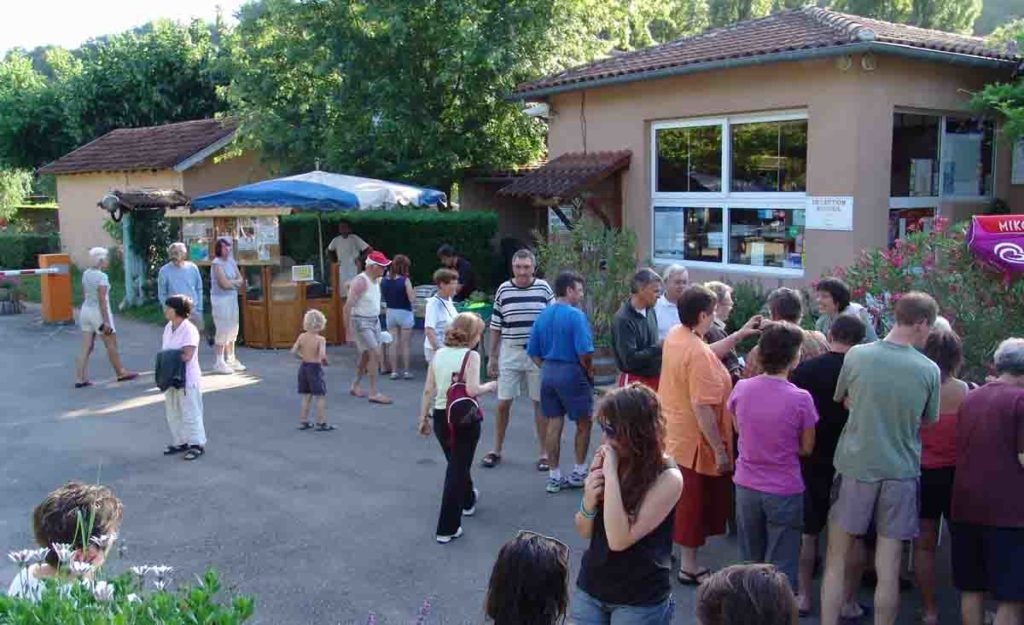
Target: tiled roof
{"x": 133, "y": 149}
{"x": 789, "y": 31}
{"x": 568, "y": 174}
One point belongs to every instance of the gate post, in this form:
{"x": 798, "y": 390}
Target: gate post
{"x": 56, "y": 289}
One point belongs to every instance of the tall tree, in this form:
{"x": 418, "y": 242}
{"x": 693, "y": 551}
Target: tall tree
{"x": 949, "y": 15}
{"x": 725, "y": 12}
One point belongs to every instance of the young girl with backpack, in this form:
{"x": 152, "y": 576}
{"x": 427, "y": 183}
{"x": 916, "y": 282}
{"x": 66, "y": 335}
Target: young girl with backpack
{"x": 450, "y": 410}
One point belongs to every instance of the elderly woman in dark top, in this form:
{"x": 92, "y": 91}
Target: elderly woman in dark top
{"x": 988, "y": 510}
{"x": 626, "y": 512}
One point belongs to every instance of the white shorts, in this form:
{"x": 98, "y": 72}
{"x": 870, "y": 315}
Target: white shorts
{"x": 184, "y": 411}
{"x": 90, "y": 319}
{"x": 398, "y": 318}
{"x": 517, "y": 374}
{"x": 225, "y": 319}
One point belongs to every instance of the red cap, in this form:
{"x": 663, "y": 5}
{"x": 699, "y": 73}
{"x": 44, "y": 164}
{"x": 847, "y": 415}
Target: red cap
{"x": 377, "y": 258}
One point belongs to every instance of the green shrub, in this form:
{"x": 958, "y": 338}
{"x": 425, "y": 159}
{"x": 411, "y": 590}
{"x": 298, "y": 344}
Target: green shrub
{"x": 20, "y": 250}
{"x": 605, "y": 257}
{"x": 415, "y": 233}
{"x": 983, "y": 306}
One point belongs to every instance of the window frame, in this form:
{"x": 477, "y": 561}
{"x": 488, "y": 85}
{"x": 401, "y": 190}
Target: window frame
{"x": 724, "y": 199}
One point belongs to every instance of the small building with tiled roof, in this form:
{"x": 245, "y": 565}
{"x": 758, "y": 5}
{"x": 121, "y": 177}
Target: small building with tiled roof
{"x": 189, "y": 156}
{"x": 778, "y": 147}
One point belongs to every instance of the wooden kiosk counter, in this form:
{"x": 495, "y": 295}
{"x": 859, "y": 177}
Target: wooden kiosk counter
{"x": 277, "y": 292}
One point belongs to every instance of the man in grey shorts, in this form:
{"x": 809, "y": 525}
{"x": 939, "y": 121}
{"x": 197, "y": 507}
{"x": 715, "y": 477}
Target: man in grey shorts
{"x": 517, "y": 303}
{"x": 362, "y": 311}
{"x": 891, "y": 389}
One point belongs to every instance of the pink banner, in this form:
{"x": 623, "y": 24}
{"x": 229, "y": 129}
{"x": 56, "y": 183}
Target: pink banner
{"x": 998, "y": 240}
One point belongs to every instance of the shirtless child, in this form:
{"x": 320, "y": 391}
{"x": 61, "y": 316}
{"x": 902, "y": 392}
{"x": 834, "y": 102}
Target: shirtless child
{"x": 311, "y": 349}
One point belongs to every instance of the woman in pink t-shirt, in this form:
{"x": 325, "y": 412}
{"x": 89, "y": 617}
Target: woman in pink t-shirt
{"x": 184, "y": 406}
{"x": 938, "y": 463}
{"x": 775, "y": 420}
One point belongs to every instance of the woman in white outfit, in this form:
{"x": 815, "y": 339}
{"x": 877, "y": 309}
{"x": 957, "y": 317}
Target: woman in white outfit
{"x": 225, "y": 282}
{"x": 439, "y": 311}
{"x": 95, "y": 317}
{"x": 184, "y": 406}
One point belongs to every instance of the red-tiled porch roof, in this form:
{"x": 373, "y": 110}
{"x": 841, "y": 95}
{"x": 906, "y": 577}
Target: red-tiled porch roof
{"x": 564, "y": 177}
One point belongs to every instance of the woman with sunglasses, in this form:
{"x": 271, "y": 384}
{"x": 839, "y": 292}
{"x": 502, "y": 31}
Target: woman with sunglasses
{"x": 529, "y": 582}
{"x": 626, "y": 512}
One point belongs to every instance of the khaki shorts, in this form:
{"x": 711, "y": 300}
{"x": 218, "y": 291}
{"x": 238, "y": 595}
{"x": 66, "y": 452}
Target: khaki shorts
{"x": 366, "y": 332}
{"x": 517, "y": 374}
{"x": 892, "y": 505}
{"x": 90, "y": 319}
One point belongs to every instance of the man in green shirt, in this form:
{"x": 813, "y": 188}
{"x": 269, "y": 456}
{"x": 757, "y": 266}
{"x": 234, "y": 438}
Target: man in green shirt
{"x": 891, "y": 389}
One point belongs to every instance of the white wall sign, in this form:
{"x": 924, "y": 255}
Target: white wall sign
{"x": 829, "y": 213}
{"x": 1017, "y": 175}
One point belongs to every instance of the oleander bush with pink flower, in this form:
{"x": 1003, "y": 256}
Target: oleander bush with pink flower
{"x": 983, "y": 305}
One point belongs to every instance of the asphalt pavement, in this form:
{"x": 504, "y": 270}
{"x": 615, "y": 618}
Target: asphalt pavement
{"x": 321, "y": 528}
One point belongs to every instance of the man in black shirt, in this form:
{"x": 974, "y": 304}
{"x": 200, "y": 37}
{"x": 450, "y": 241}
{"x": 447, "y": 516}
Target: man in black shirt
{"x": 635, "y": 332}
{"x": 467, "y": 279}
{"x": 819, "y": 376}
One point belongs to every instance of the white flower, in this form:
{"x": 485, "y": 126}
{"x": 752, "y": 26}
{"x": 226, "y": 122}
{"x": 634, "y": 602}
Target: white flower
{"x": 104, "y": 541}
{"x": 134, "y": 598}
{"x": 140, "y": 571}
{"x": 161, "y": 571}
{"x": 64, "y": 551}
{"x": 103, "y": 591}
{"x": 78, "y": 567}
{"x": 25, "y": 557}
{"x": 160, "y": 583}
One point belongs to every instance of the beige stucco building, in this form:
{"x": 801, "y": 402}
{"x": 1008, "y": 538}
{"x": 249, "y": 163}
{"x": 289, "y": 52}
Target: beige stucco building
{"x": 189, "y": 156}
{"x": 732, "y": 133}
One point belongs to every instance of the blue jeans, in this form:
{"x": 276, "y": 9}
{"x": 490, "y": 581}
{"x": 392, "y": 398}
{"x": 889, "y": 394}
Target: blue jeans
{"x": 769, "y": 528}
{"x": 586, "y": 610}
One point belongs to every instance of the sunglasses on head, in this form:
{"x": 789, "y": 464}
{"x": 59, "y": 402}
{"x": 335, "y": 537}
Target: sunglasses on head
{"x": 606, "y": 428}
{"x": 562, "y": 547}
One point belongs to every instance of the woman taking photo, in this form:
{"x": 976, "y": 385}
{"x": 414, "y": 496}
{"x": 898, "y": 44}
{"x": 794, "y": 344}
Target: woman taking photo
{"x": 439, "y": 312}
{"x": 396, "y": 289}
{"x": 459, "y": 442}
{"x": 95, "y": 317}
{"x": 694, "y": 388}
{"x": 184, "y": 406}
{"x": 626, "y": 512}
{"x": 528, "y": 583}
{"x": 225, "y": 282}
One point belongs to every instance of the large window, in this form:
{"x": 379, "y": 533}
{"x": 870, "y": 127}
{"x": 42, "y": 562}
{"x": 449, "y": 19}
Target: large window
{"x": 940, "y": 156}
{"x": 731, "y": 192}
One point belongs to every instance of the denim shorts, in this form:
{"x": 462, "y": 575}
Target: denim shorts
{"x": 565, "y": 391}
{"x": 588, "y": 610}
{"x": 399, "y": 318}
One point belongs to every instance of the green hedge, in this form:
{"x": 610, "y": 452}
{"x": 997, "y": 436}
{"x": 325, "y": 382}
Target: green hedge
{"x": 415, "y": 233}
{"x": 19, "y": 250}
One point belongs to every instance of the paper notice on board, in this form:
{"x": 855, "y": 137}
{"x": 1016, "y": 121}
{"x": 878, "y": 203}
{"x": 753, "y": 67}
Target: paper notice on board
{"x": 264, "y": 252}
{"x": 195, "y": 228}
{"x": 757, "y": 253}
{"x": 266, "y": 230}
{"x": 829, "y": 213}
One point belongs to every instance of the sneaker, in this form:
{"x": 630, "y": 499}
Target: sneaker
{"x": 472, "y": 509}
{"x": 394, "y": 375}
{"x": 577, "y": 480}
{"x": 236, "y": 366}
{"x": 444, "y": 540}
{"x": 555, "y": 485}
{"x": 222, "y": 368}
{"x": 407, "y": 376}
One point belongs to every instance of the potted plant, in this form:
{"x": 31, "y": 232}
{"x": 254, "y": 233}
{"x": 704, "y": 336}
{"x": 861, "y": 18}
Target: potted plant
{"x": 606, "y": 258}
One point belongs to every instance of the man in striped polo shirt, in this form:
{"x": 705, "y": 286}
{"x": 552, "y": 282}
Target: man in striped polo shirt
{"x": 517, "y": 304}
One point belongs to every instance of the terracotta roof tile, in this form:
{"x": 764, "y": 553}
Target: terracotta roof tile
{"x": 566, "y": 175}
{"x": 787, "y": 31}
{"x": 132, "y": 149}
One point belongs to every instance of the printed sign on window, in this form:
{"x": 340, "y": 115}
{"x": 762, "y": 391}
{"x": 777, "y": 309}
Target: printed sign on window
{"x": 829, "y": 213}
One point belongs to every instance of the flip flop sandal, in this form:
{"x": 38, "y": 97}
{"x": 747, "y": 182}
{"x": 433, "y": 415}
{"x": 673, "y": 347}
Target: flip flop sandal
{"x": 175, "y": 449}
{"x": 542, "y": 464}
{"x": 127, "y": 378}
{"x": 194, "y": 451}
{"x": 306, "y": 426}
{"x": 380, "y": 399}
{"x": 354, "y": 392}
{"x": 490, "y": 460}
{"x": 692, "y": 579}
{"x": 83, "y": 384}
{"x": 324, "y": 427}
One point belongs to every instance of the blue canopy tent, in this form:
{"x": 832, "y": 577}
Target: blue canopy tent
{"x": 321, "y": 192}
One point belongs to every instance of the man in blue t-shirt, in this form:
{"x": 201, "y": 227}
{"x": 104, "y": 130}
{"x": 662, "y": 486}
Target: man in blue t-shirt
{"x": 561, "y": 345}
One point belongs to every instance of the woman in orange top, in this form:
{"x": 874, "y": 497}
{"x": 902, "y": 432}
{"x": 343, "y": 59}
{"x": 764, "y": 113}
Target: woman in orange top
{"x": 693, "y": 392}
